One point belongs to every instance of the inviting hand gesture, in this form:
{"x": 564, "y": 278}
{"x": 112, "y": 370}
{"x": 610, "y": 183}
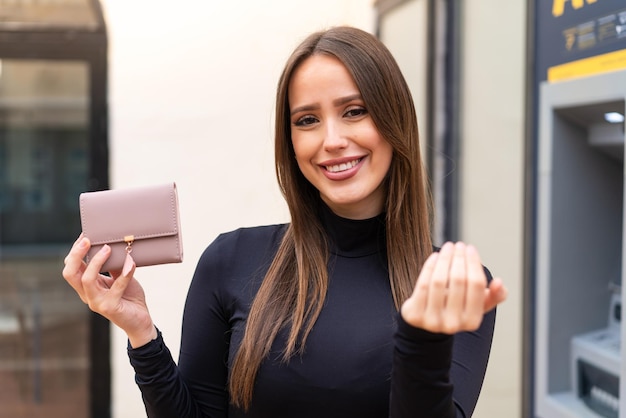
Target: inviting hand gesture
{"x": 451, "y": 293}
{"x": 119, "y": 297}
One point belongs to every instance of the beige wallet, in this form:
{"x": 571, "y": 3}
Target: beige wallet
{"x": 143, "y": 221}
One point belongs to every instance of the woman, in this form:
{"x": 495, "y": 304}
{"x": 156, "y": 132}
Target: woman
{"x": 344, "y": 312}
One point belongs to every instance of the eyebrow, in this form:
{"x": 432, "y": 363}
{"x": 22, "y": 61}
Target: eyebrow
{"x": 337, "y": 102}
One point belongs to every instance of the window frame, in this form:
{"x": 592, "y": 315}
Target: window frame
{"x": 91, "y": 47}
{"x": 442, "y": 90}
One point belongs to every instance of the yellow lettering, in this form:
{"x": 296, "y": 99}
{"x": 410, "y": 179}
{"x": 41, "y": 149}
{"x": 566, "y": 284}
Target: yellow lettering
{"x": 558, "y": 6}
{"x": 570, "y": 38}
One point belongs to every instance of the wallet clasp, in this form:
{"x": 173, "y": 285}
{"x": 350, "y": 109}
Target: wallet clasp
{"x": 129, "y": 239}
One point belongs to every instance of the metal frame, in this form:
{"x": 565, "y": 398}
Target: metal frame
{"x": 23, "y": 42}
{"x": 528, "y": 282}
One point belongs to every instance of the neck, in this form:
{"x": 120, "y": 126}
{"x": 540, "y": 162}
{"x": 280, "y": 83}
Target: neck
{"x": 353, "y": 237}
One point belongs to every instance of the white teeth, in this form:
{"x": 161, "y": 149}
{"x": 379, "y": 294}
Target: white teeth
{"x": 342, "y": 167}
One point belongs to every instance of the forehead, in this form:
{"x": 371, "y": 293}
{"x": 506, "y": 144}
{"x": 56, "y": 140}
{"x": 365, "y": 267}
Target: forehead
{"x": 321, "y": 74}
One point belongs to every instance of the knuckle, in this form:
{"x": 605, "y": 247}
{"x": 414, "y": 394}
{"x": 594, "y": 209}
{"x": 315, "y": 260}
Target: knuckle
{"x": 439, "y": 283}
{"x": 432, "y": 323}
{"x": 450, "y": 326}
{"x": 476, "y": 323}
{"x": 101, "y": 307}
{"x": 68, "y": 272}
{"x": 472, "y": 322}
{"x": 414, "y": 320}
{"x": 477, "y": 288}
{"x": 422, "y": 285}
{"x": 457, "y": 280}
{"x": 92, "y": 305}
{"x": 410, "y": 314}
{"x": 479, "y": 280}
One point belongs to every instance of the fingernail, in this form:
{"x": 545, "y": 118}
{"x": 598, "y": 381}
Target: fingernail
{"x": 82, "y": 243}
{"x": 129, "y": 263}
{"x": 105, "y": 249}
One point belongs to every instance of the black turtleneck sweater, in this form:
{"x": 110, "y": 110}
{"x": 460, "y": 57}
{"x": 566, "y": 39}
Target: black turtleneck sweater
{"x": 361, "y": 359}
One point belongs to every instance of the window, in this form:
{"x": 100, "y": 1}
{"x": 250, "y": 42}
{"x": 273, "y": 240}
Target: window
{"x": 54, "y": 353}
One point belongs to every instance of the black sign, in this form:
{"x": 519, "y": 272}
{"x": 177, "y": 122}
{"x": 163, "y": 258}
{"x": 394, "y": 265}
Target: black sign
{"x": 571, "y": 30}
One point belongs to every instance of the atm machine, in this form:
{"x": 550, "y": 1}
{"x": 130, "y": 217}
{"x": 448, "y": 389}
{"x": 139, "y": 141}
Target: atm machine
{"x": 579, "y": 249}
{"x": 596, "y": 364}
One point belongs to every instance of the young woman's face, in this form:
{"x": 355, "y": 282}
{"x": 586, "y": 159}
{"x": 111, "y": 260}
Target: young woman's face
{"x": 337, "y": 146}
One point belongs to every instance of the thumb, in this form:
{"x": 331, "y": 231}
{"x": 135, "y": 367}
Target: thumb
{"x": 494, "y": 294}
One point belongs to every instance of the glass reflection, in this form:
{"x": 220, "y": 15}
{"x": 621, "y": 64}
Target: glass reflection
{"x": 44, "y": 118}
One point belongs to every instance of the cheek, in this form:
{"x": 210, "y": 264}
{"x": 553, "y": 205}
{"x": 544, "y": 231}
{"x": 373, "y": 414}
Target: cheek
{"x": 389, "y": 156}
{"x": 384, "y": 150}
{"x": 302, "y": 148}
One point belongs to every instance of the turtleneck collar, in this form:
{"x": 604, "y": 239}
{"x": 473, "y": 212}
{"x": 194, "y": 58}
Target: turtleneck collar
{"x": 353, "y": 238}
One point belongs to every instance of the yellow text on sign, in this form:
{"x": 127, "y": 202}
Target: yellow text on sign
{"x": 558, "y": 6}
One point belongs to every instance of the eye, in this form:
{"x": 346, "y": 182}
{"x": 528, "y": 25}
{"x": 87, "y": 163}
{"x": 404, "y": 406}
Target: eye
{"x": 355, "y": 112}
{"x": 306, "y": 120}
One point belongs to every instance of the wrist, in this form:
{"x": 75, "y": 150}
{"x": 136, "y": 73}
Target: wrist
{"x": 142, "y": 337}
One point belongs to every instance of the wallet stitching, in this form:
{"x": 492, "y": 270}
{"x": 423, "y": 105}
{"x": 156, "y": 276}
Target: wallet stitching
{"x": 115, "y": 240}
{"x": 174, "y": 217}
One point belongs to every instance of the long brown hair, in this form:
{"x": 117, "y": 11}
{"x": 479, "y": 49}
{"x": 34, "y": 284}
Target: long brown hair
{"x": 293, "y": 291}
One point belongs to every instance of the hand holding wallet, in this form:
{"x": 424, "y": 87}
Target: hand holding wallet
{"x": 143, "y": 221}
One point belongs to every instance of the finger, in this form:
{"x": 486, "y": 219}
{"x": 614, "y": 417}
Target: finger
{"x": 476, "y": 284}
{"x": 457, "y": 283}
{"x": 80, "y": 236}
{"x": 121, "y": 283}
{"x": 78, "y": 251}
{"x": 75, "y": 266}
{"x": 423, "y": 280}
{"x": 438, "y": 287}
{"x": 495, "y": 294}
{"x": 413, "y": 308}
{"x": 92, "y": 278}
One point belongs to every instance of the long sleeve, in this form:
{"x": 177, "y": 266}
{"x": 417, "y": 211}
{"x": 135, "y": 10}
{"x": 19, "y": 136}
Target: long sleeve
{"x": 226, "y": 278}
{"x": 420, "y": 379}
{"x": 196, "y": 387}
{"x": 469, "y": 364}
{"x": 437, "y": 375}
{"x": 164, "y": 392}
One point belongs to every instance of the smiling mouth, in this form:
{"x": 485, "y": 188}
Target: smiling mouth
{"x": 337, "y": 168}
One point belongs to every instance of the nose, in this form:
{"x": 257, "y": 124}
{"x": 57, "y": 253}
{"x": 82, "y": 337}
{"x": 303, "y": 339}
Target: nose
{"x": 334, "y": 138}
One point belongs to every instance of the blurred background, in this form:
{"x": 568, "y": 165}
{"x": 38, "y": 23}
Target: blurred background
{"x": 98, "y": 94}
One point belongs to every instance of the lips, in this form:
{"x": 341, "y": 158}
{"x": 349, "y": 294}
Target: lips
{"x": 338, "y": 168}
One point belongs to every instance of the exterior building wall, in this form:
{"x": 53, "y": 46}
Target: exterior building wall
{"x": 492, "y": 177}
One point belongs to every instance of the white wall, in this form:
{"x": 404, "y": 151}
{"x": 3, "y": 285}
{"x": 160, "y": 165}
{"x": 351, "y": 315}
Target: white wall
{"x": 404, "y": 30}
{"x": 492, "y": 168}
{"x": 191, "y": 99}
{"x": 192, "y": 87}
